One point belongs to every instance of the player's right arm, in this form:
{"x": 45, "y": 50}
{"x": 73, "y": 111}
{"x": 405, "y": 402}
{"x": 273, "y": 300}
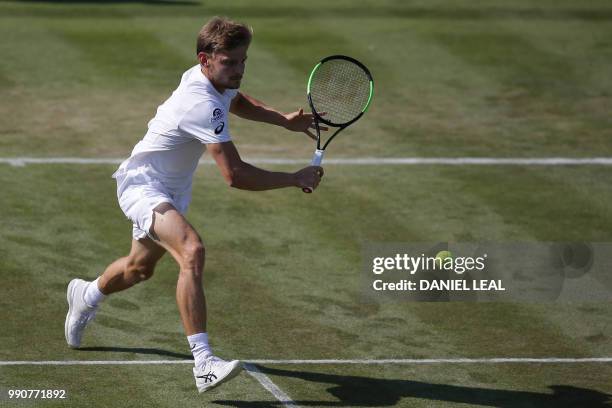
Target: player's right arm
{"x": 242, "y": 175}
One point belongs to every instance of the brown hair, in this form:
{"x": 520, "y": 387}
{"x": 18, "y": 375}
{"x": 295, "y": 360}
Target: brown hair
{"x": 221, "y": 33}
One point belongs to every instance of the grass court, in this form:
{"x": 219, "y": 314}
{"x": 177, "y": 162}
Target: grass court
{"x": 494, "y": 78}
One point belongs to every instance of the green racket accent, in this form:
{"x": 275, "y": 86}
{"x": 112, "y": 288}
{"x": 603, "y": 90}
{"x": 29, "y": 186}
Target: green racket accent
{"x": 311, "y": 75}
{"x": 341, "y": 88}
{"x": 370, "y": 98}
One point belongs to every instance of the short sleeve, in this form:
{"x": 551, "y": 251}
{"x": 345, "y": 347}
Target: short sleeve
{"x": 207, "y": 122}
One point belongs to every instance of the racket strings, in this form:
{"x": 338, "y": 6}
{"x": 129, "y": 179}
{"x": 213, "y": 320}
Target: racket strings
{"x": 341, "y": 89}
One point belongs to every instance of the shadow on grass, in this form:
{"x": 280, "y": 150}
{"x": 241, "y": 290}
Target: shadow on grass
{"x": 138, "y": 350}
{"x": 354, "y": 391}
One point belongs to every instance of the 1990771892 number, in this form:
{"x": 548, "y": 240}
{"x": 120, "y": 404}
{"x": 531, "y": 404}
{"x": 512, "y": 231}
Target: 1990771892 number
{"x": 34, "y": 394}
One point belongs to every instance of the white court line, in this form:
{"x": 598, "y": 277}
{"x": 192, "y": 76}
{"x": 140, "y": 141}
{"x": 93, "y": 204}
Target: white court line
{"x": 451, "y": 161}
{"x": 269, "y": 385}
{"x": 498, "y": 360}
{"x": 493, "y": 360}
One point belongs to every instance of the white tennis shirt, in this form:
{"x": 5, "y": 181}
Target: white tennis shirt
{"x": 194, "y": 115}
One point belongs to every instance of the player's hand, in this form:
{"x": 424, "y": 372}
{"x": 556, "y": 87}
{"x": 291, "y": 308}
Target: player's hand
{"x": 309, "y": 177}
{"x": 302, "y": 122}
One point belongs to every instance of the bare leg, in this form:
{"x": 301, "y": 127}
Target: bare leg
{"x": 137, "y": 266}
{"x": 179, "y": 238}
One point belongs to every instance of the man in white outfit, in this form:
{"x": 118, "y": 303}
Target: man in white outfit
{"x": 154, "y": 188}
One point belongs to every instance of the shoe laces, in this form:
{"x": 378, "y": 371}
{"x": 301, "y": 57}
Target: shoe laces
{"x": 211, "y": 364}
{"x": 86, "y": 317}
{"x": 216, "y": 361}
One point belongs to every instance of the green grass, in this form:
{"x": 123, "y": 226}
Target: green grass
{"x": 264, "y": 302}
{"x": 494, "y": 78}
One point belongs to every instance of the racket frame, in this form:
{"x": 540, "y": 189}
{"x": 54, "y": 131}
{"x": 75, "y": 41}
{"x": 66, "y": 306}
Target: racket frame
{"x": 320, "y": 151}
{"x": 319, "y": 118}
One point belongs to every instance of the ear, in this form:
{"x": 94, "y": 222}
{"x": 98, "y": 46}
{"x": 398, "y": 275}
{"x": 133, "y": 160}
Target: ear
{"x": 203, "y": 58}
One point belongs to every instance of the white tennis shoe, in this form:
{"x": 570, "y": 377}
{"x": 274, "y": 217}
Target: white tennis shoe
{"x": 215, "y": 372}
{"x": 79, "y": 313}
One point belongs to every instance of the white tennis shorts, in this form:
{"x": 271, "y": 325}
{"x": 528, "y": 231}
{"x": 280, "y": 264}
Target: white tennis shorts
{"x": 139, "y": 193}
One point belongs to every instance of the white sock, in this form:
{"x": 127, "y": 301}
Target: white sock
{"x": 93, "y": 296}
{"x": 199, "y": 347}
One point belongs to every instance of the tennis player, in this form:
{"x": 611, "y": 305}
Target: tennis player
{"x": 154, "y": 188}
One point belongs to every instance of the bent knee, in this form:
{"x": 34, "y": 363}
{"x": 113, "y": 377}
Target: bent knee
{"x": 193, "y": 254}
{"x": 194, "y": 249}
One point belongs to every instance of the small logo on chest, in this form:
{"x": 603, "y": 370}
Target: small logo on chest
{"x": 217, "y": 115}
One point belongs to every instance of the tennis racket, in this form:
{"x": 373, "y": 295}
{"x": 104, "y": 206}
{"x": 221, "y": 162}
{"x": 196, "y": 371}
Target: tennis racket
{"x": 340, "y": 90}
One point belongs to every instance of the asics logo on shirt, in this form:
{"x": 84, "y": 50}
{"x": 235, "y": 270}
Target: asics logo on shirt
{"x": 219, "y": 128}
{"x": 217, "y": 115}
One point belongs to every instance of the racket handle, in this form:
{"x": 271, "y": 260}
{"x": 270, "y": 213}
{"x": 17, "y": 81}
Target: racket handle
{"x": 317, "y": 158}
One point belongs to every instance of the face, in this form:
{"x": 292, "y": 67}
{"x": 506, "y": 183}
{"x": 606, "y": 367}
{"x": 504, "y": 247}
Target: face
{"x": 225, "y": 68}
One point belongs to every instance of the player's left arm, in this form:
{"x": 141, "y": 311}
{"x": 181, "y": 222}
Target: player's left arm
{"x": 247, "y": 107}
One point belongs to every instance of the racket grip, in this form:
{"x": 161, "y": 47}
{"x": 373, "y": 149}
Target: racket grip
{"x": 317, "y": 158}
